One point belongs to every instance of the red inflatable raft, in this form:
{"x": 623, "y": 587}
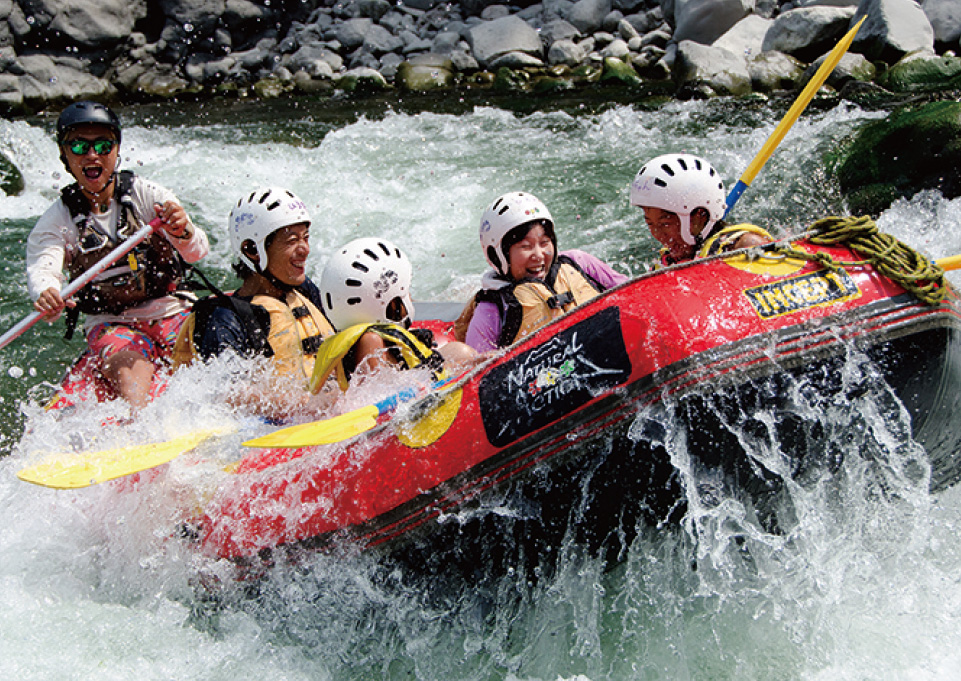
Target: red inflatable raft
{"x": 543, "y": 427}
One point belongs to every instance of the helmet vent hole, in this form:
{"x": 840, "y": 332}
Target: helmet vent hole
{"x": 354, "y": 301}
{"x": 667, "y": 169}
{"x": 503, "y": 210}
{"x": 355, "y": 283}
{"x": 697, "y": 163}
{"x": 360, "y": 266}
{"x": 371, "y": 254}
{"x": 330, "y": 302}
{"x": 274, "y": 205}
{"x": 682, "y": 163}
{"x": 659, "y": 182}
{"x": 384, "y": 248}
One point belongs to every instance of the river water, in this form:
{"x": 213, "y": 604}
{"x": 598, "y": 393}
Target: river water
{"x": 96, "y": 584}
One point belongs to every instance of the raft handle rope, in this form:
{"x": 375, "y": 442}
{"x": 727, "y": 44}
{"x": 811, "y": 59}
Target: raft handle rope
{"x": 886, "y": 254}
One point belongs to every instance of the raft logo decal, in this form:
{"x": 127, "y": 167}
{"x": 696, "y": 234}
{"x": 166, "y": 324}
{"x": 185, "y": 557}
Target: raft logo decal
{"x": 799, "y": 293}
{"x": 543, "y": 384}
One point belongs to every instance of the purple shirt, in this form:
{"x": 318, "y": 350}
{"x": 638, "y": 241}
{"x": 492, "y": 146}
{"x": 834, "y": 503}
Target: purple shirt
{"x": 485, "y": 325}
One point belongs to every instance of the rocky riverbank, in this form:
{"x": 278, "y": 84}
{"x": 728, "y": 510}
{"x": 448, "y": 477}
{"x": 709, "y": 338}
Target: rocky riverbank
{"x": 54, "y": 51}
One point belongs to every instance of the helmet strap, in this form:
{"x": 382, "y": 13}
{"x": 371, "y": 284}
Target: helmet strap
{"x": 686, "y": 235}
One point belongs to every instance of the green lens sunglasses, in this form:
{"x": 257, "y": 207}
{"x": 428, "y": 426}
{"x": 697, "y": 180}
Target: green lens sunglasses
{"x": 81, "y": 147}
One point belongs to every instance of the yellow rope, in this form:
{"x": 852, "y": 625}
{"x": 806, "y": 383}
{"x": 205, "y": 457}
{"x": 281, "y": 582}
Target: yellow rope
{"x": 892, "y": 258}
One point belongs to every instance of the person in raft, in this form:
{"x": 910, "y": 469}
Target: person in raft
{"x": 132, "y": 318}
{"x": 684, "y": 202}
{"x": 365, "y": 291}
{"x": 530, "y": 283}
{"x": 275, "y": 313}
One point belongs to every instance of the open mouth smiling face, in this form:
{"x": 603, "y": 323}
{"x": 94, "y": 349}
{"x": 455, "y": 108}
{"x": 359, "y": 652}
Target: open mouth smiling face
{"x": 91, "y": 152}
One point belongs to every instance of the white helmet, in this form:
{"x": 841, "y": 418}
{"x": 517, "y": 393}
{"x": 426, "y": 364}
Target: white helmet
{"x": 680, "y": 183}
{"x": 506, "y": 213}
{"x": 362, "y": 279}
{"x": 260, "y": 214}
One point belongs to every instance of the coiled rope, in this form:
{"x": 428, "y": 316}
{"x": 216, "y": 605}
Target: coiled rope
{"x": 888, "y": 256}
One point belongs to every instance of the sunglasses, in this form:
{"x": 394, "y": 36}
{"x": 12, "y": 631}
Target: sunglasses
{"x": 81, "y": 147}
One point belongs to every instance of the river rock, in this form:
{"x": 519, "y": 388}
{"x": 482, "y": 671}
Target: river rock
{"x": 704, "y": 21}
{"x": 808, "y": 32}
{"x": 892, "y": 29}
{"x": 425, "y": 73}
{"x": 566, "y": 52}
{"x": 725, "y": 73}
{"x": 945, "y": 18}
{"x": 746, "y": 36}
{"x": 60, "y": 78}
{"x": 910, "y": 150}
{"x": 850, "y": 67}
{"x": 588, "y": 15}
{"x": 771, "y": 71}
{"x": 492, "y": 39}
{"x": 923, "y": 72}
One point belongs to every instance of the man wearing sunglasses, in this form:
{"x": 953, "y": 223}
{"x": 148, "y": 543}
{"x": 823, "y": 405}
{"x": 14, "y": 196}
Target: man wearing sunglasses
{"x": 133, "y": 312}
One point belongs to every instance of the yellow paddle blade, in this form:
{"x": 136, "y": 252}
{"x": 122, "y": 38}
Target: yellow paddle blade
{"x": 428, "y": 427}
{"x": 70, "y": 471}
{"x": 323, "y": 432}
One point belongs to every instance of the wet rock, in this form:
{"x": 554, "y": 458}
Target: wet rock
{"x": 425, "y": 73}
{"x": 772, "y": 71}
{"x": 923, "y": 72}
{"x": 620, "y": 71}
{"x": 491, "y": 39}
{"x": 893, "y": 28}
{"x": 566, "y": 52}
{"x": 808, "y": 32}
{"x": 710, "y": 70}
{"x": 912, "y": 149}
{"x": 362, "y": 79}
{"x": 704, "y": 21}
{"x": 945, "y": 18}
{"x": 60, "y": 78}
{"x": 746, "y": 36}
{"x": 588, "y": 15}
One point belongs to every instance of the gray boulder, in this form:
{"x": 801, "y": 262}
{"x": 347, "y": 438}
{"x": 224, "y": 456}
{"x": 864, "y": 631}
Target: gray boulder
{"x": 11, "y": 96}
{"x": 724, "y": 72}
{"x": 704, "y": 21}
{"x": 945, "y": 18}
{"x": 566, "y": 52}
{"x": 59, "y": 78}
{"x": 588, "y": 15}
{"x": 89, "y": 24}
{"x": 491, "y": 39}
{"x": 746, "y": 36}
{"x": 774, "y": 71}
{"x": 558, "y": 29}
{"x": 352, "y": 32}
{"x": 808, "y": 32}
{"x": 379, "y": 40}
{"x": 852, "y": 66}
{"x": 892, "y": 29}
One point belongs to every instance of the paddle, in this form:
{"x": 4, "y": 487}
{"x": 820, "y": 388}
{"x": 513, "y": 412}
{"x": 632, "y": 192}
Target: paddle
{"x": 84, "y": 279}
{"x": 803, "y": 99}
{"x": 950, "y": 263}
{"x": 71, "y": 471}
{"x": 343, "y": 427}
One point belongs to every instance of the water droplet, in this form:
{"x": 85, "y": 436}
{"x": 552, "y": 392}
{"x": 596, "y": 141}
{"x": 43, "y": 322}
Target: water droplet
{"x": 15, "y": 372}
{"x": 188, "y": 27}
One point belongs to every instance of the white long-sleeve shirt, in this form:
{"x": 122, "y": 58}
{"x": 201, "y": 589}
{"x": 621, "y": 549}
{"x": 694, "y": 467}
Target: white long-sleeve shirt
{"x": 54, "y": 241}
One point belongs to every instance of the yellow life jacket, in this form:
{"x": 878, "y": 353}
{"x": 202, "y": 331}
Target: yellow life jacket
{"x": 718, "y": 242}
{"x": 295, "y": 330}
{"x": 330, "y": 357}
{"x": 529, "y": 304}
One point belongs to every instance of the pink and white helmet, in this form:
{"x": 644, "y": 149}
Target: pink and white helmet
{"x": 507, "y": 212}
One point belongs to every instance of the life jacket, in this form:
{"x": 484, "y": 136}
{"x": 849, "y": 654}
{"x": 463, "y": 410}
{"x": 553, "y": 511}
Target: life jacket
{"x": 717, "y": 242}
{"x": 289, "y": 331}
{"x": 528, "y": 304}
{"x": 411, "y": 348}
{"x": 151, "y": 270}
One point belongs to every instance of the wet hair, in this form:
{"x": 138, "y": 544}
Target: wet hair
{"x": 519, "y": 233}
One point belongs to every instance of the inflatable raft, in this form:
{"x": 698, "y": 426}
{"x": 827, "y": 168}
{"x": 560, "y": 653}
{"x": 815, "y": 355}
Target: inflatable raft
{"x": 558, "y": 435}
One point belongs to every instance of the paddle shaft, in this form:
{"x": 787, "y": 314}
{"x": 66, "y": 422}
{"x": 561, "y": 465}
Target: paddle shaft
{"x": 950, "y": 263}
{"x": 803, "y": 99}
{"x": 113, "y": 256}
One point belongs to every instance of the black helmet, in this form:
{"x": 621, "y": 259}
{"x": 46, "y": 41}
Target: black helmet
{"x": 81, "y": 113}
